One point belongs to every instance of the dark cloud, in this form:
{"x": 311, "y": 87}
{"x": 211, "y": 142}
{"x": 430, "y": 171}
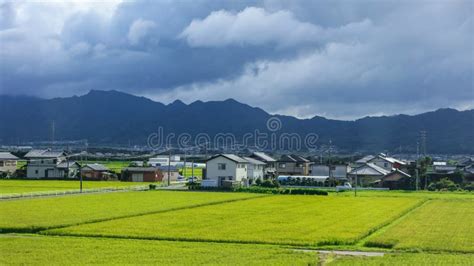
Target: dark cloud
{"x": 333, "y": 58}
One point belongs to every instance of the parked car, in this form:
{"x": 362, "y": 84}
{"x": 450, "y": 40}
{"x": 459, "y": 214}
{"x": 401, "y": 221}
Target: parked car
{"x": 193, "y": 179}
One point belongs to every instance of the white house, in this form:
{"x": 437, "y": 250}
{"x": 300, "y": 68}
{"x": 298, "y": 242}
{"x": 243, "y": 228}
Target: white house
{"x": 43, "y": 164}
{"x": 7, "y": 162}
{"x": 255, "y": 169}
{"x": 337, "y": 171}
{"x": 386, "y": 162}
{"x": 164, "y": 160}
{"x": 270, "y": 163}
{"x": 71, "y": 167}
{"x": 225, "y": 170}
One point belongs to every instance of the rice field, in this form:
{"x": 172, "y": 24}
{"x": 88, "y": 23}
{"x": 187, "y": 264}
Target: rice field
{"x": 440, "y": 225}
{"x": 410, "y": 194}
{"x": 196, "y": 228}
{"x": 37, "y": 250}
{"x": 188, "y": 172}
{"x": 40, "y": 213}
{"x": 283, "y": 219}
{"x": 405, "y": 259}
{"x": 9, "y": 186}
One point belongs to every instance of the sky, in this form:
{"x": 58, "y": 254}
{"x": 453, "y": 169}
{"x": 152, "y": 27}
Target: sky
{"x": 339, "y": 59}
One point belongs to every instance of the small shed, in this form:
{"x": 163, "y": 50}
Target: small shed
{"x": 173, "y": 172}
{"x": 142, "y": 174}
{"x": 396, "y": 180}
{"x": 95, "y": 171}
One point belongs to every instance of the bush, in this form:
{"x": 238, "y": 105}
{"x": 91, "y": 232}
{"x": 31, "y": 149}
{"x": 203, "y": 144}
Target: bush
{"x": 269, "y": 183}
{"x": 194, "y": 186}
{"x": 293, "y": 191}
{"x": 469, "y": 187}
{"x": 444, "y": 184}
{"x": 152, "y": 186}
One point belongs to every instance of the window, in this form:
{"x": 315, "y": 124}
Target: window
{"x": 385, "y": 165}
{"x": 36, "y": 171}
{"x": 221, "y": 166}
{"x": 282, "y": 165}
{"x": 1, "y": 163}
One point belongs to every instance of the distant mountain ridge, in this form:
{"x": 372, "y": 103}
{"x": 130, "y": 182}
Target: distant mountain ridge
{"x": 112, "y": 117}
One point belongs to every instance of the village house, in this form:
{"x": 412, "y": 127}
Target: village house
{"x": 142, "y": 174}
{"x": 8, "y": 163}
{"x": 43, "y": 164}
{"x": 173, "y": 172}
{"x": 386, "y": 162}
{"x": 255, "y": 170}
{"x": 70, "y": 168}
{"x": 367, "y": 174}
{"x": 338, "y": 171}
{"x": 293, "y": 165}
{"x": 362, "y": 161}
{"x": 164, "y": 160}
{"x": 95, "y": 171}
{"x": 270, "y": 163}
{"x": 225, "y": 170}
{"x": 396, "y": 180}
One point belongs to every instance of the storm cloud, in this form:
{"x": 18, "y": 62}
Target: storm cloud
{"x": 339, "y": 59}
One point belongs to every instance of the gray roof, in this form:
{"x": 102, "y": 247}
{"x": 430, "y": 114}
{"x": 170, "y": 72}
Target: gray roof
{"x": 7, "y": 156}
{"x": 254, "y": 161}
{"x": 398, "y": 171}
{"x": 369, "y": 169}
{"x": 44, "y": 154}
{"x": 140, "y": 169}
{"x": 293, "y": 158}
{"x": 231, "y": 157}
{"x": 365, "y": 159}
{"x": 96, "y": 167}
{"x": 65, "y": 164}
{"x": 264, "y": 157}
{"x": 391, "y": 159}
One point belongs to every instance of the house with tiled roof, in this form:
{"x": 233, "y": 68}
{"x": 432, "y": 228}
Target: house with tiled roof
{"x": 226, "y": 170}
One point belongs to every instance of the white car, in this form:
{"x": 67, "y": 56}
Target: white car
{"x": 193, "y": 179}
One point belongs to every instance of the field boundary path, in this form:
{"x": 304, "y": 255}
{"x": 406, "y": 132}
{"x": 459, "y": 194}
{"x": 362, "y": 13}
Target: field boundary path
{"x": 385, "y": 226}
{"x": 345, "y": 252}
{"x": 55, "y": 193}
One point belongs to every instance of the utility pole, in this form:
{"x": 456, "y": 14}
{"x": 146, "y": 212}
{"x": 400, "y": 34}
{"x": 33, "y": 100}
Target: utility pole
{"x": 184, "y": 166}
{"x": 355, "y": 186}
{"x": 417, "y": 177}
{"x": 53, "y": 129}
{"x": 67, "y": 163}
{"x": 169, "y": 166}
{"x": 423, "y": 142}
{"x": 330, "y": 164}
{"x": 192, "y": 170}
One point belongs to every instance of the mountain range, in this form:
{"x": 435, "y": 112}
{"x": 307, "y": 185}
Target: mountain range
{"x": 112, "y": 117}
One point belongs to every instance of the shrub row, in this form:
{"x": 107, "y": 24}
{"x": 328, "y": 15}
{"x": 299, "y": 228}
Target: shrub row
{"x": 292, "y": 191}
{"x": 263, "y": 190}
{"x": 446, "y": 184}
